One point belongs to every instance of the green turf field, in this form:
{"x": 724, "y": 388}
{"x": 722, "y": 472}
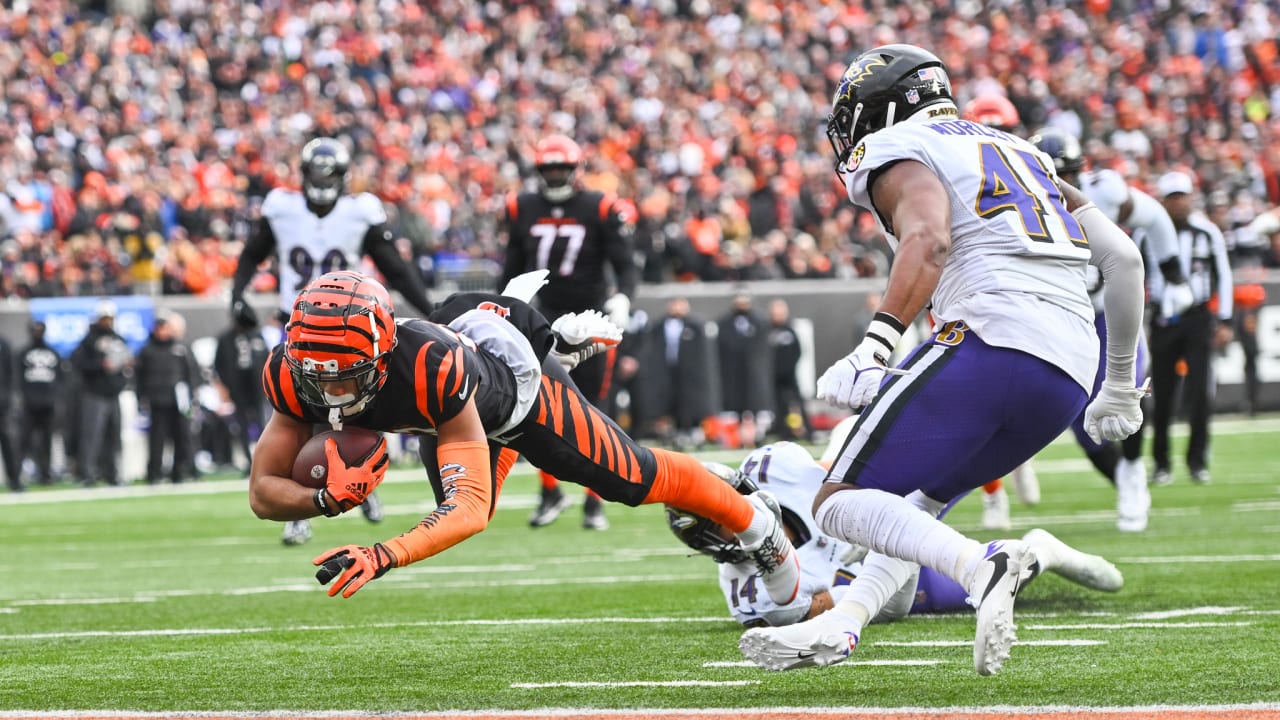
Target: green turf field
{"x": 181, "y": 600}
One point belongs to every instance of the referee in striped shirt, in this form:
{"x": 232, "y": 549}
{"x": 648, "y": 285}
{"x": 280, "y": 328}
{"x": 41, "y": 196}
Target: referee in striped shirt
{"x": 1192, "y": 335}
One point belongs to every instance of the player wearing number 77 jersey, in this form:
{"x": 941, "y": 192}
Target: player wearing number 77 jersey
{"x": 314, "y": 232}
{"x": 982, "y": 235}
{"x": 577, "y": 236}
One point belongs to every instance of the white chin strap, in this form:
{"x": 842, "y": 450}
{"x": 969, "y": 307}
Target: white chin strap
{"x": 557, "y": 194}
{"x": 322, "y": 196}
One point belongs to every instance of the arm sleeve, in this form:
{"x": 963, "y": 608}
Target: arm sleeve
{"x": 1222, "y": 267}
{"x": 468, "y": 497}
{"x": 620, "y": 247}
{"x": 380, "y": 247}
{"x": 1117, "y": 258}
{"x": 258, "y": 248}
{"x": 514, "y": 259}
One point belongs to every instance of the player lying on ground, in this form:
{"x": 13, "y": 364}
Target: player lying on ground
{"x": 479, "y": 390}
{"x": 828, "y": 565}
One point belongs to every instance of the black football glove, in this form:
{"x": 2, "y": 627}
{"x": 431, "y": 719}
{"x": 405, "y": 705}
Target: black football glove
{"x": 243, "y": 313}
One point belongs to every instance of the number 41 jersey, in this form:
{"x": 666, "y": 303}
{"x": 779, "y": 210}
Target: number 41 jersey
{"x": 309, "y": 245}
{"x": 1016, "y": 270}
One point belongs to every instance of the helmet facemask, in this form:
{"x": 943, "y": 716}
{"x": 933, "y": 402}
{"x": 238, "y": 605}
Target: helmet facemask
{"x": 338, "y": 340}
{"x": 557, "y": 181}
{"x": 324, "y": 172}
{"x": 706, "y": 536}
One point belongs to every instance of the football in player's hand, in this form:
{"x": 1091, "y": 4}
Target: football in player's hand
{"x": 311, "y": 467}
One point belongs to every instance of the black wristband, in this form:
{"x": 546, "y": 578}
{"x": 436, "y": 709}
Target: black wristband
{"x": 891, "y": 321}
{"x": 323, "y": 505}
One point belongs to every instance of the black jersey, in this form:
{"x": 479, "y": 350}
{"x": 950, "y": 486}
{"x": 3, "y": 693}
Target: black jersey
{"x": 431, "y": 375}
{"x": 574, "y": 240}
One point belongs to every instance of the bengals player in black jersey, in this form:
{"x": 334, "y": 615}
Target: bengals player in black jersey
{"x": 479, "y": 390}
{"x": 576, "y": 235}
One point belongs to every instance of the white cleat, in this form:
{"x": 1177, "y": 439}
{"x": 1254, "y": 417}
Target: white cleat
{"x": 1133, "y": 496}
{"x": 995, "y": 511}
{"x": 825, "y": 640}
{"x": 992, "y": 591}
{"x": 773, "y": 554}
{"x": 1091, "y": 571}
{"x": 296, "y": 532}
{"x": 582, "y": 335}
{"x": 1026, "y": 484}
{"x": 372, "y": 508}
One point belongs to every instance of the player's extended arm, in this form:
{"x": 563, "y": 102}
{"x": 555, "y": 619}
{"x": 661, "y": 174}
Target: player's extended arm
{"x": 465, "y": 472}
{"x": 515, "y": 260}
{"x": 1115, "y": 413}
{"x": 380, "y": 247}
{"x": 258, "y": 248}
{"x": 273, "y": 495}
{"x": 915, "y": 201}
{"x": 918, "y": 209}
{"x": 619, "y": 244}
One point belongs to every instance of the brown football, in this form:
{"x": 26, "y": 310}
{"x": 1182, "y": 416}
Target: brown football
{"x": 311, "y": 467}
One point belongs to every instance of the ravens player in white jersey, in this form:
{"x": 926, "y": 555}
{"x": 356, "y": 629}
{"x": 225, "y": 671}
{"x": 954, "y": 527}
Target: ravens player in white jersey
{"x": 316, "y": 231}
{"x": 984, "y": 236}
{"x": 1147, "y": 219}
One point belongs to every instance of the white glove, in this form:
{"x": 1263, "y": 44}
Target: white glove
{"x": 1115, "y": 414}
{"x": 618, "y": 308}
{"x": 855, "y": 379}
{"x": 1177, "y": 298}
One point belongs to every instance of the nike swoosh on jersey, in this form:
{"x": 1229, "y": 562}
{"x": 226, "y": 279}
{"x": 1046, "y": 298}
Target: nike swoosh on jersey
{"x": 466, "y": 387}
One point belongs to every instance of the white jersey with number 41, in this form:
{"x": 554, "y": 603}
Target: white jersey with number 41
{"x": 1016, "y": 271}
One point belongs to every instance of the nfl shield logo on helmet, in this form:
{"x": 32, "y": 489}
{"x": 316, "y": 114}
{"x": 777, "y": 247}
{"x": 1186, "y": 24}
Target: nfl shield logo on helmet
{"x": 913, "y": 96}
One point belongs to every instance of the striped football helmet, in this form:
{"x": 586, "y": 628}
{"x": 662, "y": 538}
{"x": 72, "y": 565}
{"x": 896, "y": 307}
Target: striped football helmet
{"x": 338, "y": 339}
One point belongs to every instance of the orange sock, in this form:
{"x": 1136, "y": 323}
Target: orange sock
{"x": 993, "y": 487}
{"x": 683, "y": 482}
{"x": 592, "y": 494}
{"x": 549, "y": 481}
{"x": 506, "y": 459}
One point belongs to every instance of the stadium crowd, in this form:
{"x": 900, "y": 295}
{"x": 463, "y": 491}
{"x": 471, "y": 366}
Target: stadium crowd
{"x": 135, "y": 148}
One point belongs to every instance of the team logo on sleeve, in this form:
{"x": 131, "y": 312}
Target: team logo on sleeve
{"x": 855, "y": 158}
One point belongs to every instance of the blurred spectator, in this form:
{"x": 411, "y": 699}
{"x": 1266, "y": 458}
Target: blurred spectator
{"x": 237, "y": 364}
{"x": 167, "y": 378}
{"x": 12, "y": 462}
{"x": 790, "y": 417}
{"x": 678, "y": 375}
{"x": 746, "y": 368}
{"x": 104, "y": 363}
{"x": 42, "y": 373}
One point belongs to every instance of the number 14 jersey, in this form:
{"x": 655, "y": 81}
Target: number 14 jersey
{"x": 1016, "y": 270}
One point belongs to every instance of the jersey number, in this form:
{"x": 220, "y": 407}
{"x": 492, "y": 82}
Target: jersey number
{"x": 1025, "y": 187}
{"x": 745, "y": 596}
{"x": 305, "y": 265}
{"x": 547, "y": 235}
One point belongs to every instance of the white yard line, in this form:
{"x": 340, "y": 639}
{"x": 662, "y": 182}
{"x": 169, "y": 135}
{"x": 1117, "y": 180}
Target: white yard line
{"x": 544, "y": 622}
{"x": 1013, "y": 711}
